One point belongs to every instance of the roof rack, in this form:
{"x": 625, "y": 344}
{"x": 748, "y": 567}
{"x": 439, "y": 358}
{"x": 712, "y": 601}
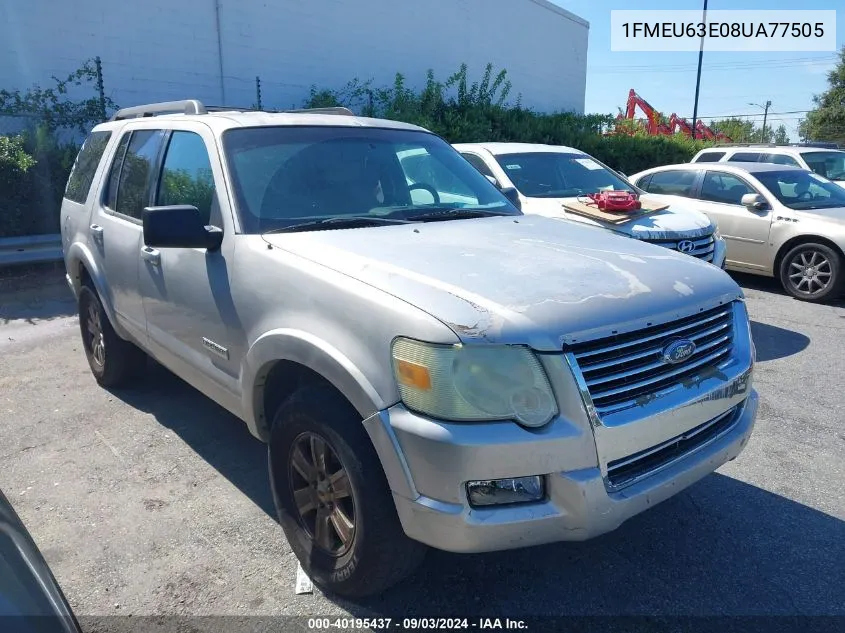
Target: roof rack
{"x": 193, "y": 106}
{"x": 808, "y": 144}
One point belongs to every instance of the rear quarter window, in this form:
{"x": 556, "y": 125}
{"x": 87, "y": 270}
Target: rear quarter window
{"x": 82, "y": 174}
{"x": 709, "y": 157}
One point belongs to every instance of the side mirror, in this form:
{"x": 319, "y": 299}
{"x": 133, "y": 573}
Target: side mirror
{"x": 513, "y": 195}
{"x": 493, "y": 181}
{"x": 179, "y": 226}
{"x": 754, "y": 201}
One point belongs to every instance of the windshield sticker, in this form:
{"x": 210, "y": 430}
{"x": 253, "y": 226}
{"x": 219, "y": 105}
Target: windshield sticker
{"x": 512, "y": 167}
{"x": 589, "y": 163}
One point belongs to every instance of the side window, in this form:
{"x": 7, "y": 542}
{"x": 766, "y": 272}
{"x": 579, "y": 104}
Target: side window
{"x": 644, "y": 182}
{"x": 746, "y": 157}
{"x": 186, "y": 176}
{"x": 134, "y": 179}
{"x": 780, "y": 159}
{"x": 85, "y": 166}
{"x": 114, "y": 171}
{"x": 424, "y": 169}
{"x": 724, "y": 188}
{"x": 709, "y": 157}
{"x": 479, "y": 164}
{"x": 673, "y": 183}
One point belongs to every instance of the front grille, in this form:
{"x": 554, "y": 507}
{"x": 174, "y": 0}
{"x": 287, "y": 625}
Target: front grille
{"x": 625, "y": 471}
{"x": 703, "y": 247}
{"x": 625, "y": 370}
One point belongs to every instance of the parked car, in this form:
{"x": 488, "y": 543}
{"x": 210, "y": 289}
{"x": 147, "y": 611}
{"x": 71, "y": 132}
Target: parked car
{"x": 547, "y": 176}
{"x": 825, "y": 161}
{"x": 445, "y": 373}
{"x": 778, "y": 221}
{"x": 31, "y": 600}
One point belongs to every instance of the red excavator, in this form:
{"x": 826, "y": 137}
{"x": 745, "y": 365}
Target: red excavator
{"x": 656, "y": 125}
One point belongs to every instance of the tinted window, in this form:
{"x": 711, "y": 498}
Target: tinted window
{"x": 828, "y": 164}
{"x": 780, "y": 159}
{"x": 134, "y": 180}
{"x": 558, "y": 175}
{"x": 709, "y": 157}
{"x": 114, "y": 172}
{"x": 288, "y": 175}
{"x": 479, "y": 164}
{"x": 725, "y": 188}
{"x": 673, "y": 183}
{"x": 82, "y": 174}
{"x": 643, "y": 182}
{"x": 186, "y": 176}
{"x": 799, "y": 189}
{"x": 746, "y": 157}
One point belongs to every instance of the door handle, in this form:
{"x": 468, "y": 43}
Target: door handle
{"x": 96, "y": 232}
{"x": 151, "y": 255}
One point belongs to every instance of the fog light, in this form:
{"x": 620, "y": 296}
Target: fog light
{"x": 496, "y": 492}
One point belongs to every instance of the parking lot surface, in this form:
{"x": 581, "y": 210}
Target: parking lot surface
{"x": 154, "y": 500}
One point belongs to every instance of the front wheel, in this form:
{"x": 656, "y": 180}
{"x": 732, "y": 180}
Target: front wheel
{"x": 812, "y": 272}
{"x": 333, "y": 499}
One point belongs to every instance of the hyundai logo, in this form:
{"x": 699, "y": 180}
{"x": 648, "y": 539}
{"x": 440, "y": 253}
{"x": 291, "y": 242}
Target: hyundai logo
{"x": 686, "y": 246}
{"x": 678, "y": 351}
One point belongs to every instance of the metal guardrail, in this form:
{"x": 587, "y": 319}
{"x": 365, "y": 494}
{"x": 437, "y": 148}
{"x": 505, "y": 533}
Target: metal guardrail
{"x": 30, "y": 249}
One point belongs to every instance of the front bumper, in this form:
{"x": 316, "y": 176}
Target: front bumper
{"x": 428, "y": 462}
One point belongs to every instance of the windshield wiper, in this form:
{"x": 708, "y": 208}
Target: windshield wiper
{"x": 452, "y": 214}
{"x": 336, "y": 222}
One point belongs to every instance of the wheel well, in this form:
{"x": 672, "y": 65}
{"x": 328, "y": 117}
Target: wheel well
{"x": 83, "y": 276}
{"x": 803, "y": 239}
{"x": 281, "y": 379}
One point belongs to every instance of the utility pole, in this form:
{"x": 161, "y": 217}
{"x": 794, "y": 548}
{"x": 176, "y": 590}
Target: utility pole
{"x": 698, "y": 78}
{"x": 765, "y": 116}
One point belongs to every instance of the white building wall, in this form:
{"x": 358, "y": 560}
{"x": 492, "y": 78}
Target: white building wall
{"x": 173, "y": 49}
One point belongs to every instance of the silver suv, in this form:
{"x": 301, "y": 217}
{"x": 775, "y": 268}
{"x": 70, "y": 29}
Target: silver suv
{"x": 426, "y": 372}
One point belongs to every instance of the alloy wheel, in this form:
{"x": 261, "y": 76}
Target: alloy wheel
{"x": 810, "y": 272}
{"x": 95, "y": 341}
{"x": 322, "y": 493}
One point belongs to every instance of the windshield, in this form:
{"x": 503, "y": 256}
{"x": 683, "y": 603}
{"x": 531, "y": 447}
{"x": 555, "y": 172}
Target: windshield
{"x": 557, "y": 175}
{"x": 828, "y": 164}
{"x": 287, "y": 175}
{"x": 802, "y": 190}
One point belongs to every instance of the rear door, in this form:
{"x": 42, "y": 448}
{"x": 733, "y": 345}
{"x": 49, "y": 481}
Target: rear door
{"x": 116, "y": 225}
{"x": 746, "y": 231}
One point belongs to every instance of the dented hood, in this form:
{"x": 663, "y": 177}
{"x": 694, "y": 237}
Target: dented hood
{"x": 524, "y": 280}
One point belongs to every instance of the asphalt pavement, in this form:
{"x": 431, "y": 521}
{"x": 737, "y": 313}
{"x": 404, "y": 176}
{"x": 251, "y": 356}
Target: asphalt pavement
{"x": 154, "y": 500}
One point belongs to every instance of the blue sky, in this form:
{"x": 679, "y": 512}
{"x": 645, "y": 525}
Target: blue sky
{"x": 729, "y": 81}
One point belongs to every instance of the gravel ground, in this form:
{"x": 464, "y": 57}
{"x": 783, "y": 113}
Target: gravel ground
{"x": 155, "y": 501}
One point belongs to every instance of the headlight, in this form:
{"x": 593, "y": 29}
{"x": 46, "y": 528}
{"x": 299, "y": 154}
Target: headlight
{"x": 716, "y": 234}
{"x": 473, "y": 383}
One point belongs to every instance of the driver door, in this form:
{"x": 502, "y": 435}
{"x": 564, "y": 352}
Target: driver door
{"x": 746, "y": 231}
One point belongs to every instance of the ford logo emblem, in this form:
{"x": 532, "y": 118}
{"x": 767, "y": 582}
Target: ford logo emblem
{"x": 686, "y": 246}
{"x": 678, "y": 351}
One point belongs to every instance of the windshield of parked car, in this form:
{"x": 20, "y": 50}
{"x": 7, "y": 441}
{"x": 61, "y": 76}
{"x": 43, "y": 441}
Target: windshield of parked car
{"x": 802, "y": 190}
{"x": 344, "y": 176}
{"x": 559, "y": 175}
{"x": 828, "y": 164}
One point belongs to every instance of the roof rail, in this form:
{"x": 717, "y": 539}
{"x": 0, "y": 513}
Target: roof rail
{"x": 808, "y": 144}
{"x": 188, "y": 106}
{"x": 193, "y": 106}
{"x": 334, "y": 110}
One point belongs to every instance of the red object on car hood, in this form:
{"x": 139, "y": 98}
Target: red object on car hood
{"x": 615, "y": 201}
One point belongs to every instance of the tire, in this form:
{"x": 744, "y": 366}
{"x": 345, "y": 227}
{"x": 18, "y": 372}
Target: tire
{"x": 377, "y": 554}
{"x": 812, "y": 272}
{"x": 113, "y": 361}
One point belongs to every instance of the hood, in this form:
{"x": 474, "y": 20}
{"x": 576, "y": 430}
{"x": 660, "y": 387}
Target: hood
{"x": 676, "y": 222}
{"x": 834, "y": 214}
{"x": 519, "y": 280}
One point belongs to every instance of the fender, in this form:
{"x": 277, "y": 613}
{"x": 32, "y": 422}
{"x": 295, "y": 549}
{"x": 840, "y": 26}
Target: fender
{"x": 312, "y": 352}
{"x": 79, "y": 253}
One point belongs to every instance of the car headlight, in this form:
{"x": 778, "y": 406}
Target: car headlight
{"x": 473, "y": 383}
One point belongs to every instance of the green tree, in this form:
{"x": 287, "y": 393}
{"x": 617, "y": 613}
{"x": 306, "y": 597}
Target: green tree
{"x": 781, "y": 137}
{"x": 738, "y": 130}
{"x": 826, "y": 122}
